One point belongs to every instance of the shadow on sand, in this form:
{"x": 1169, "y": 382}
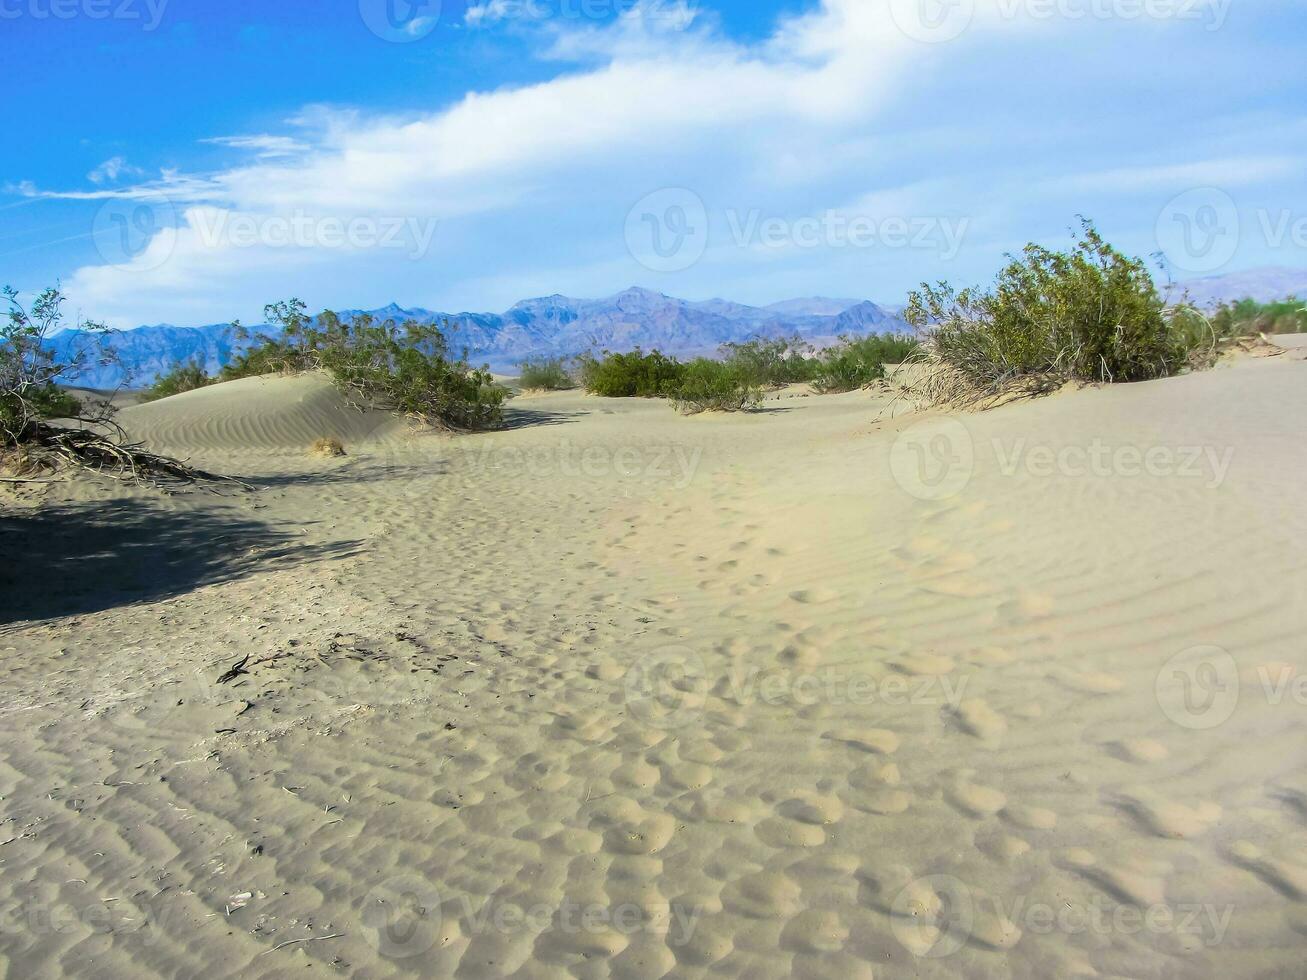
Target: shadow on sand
{"x": 526, "y": 418}
{"x": 81, "y": 558}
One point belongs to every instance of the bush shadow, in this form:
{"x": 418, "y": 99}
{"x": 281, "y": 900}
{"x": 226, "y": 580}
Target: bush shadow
{"x": 72, "y": 559}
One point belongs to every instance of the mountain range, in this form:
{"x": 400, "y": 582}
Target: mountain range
{"x": 546, "y": 326}
{"x": 564, "y": 326}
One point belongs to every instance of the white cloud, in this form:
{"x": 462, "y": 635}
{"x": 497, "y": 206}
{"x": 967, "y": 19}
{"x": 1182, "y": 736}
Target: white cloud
{"x": 530, "y": 186}
{"x": 266, "y": 147}
{"x": 109, "y": 171}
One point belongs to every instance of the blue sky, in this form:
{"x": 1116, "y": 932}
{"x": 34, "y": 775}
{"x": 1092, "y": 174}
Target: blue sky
{"x": 188, "y": 161}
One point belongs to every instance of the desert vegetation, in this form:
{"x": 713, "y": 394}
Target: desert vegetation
{"x": 405, "y": 368}
{"x": 1247, "y": 318}
{"x": 182, "y": 378}
{"x": 1089, "y": 314}
{"x": 43, "y": 428}
{"x": 545, "y": 374}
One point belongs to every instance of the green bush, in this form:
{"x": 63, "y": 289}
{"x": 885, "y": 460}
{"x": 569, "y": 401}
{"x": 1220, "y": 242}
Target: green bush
{"x": 859, "y": 361}
{"x": 1248, "y": 317}
{"x": 1089, "y": 314}
{"x": 714, "y": 386}
{"x": 182, "y": 378}
{"x": 771, "y": 363}
{"x": 404, "y": 368}
{"x": 633, "y": 375}
{"x": 545, "y": 374}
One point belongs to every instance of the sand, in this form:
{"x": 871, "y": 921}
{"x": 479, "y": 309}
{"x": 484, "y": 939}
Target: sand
{"x": 830, "y": 690}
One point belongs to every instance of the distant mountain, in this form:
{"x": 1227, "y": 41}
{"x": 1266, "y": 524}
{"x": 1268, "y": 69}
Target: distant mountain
{"x": 546, "y": 326}
{"x": 1264, "y": 285}
{"x": 812, "y": 306}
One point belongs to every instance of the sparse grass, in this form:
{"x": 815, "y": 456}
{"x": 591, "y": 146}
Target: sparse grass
{"x": 328, "y": 446}
{"x": 545, "y": 374}
{"x": 182, "y": 378}
{"x": 1090, "y": 314}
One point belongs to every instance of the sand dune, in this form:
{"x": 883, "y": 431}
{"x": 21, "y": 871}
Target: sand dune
{"x": 257, "y": 414}
{"x": 830, "y": 690}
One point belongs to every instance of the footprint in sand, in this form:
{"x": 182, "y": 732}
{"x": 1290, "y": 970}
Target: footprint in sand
{"x": 814, "y": 596}
{"x": 1167, "y": 818}
{"x": 879, "y": 740}
{"x": 975, "y": 800}
{"x": 1288, "y": 879}
{"x": 1138, "y": 883}
{"x": 977, "y": 718}
{"x": 1138, "y": 750}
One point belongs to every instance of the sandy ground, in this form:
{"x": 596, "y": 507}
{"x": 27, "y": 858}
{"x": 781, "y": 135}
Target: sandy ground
{"x": 829, "y": 690}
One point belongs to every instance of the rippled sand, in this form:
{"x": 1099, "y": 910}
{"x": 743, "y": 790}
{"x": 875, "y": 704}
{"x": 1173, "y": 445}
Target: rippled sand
{"x": 826, "y": 691}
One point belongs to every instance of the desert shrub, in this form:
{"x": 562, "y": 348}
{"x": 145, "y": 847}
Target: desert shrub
{"x": 182, "y": 378}
{"x": 545, "y": 374}
{"x": 328, "y": 446}
{"x": 633, "y": 375}
{"x": 403, "y": 368}
{"x": 859, "y": 361}
{"x": 771, "y": 363}
{"x": 1248, "y": 317}
{"x": 1088, "y": 314}
{"x": 45, "y": 429}
{"x": 29, "y": 394}
{"x": 714, "y": 386}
